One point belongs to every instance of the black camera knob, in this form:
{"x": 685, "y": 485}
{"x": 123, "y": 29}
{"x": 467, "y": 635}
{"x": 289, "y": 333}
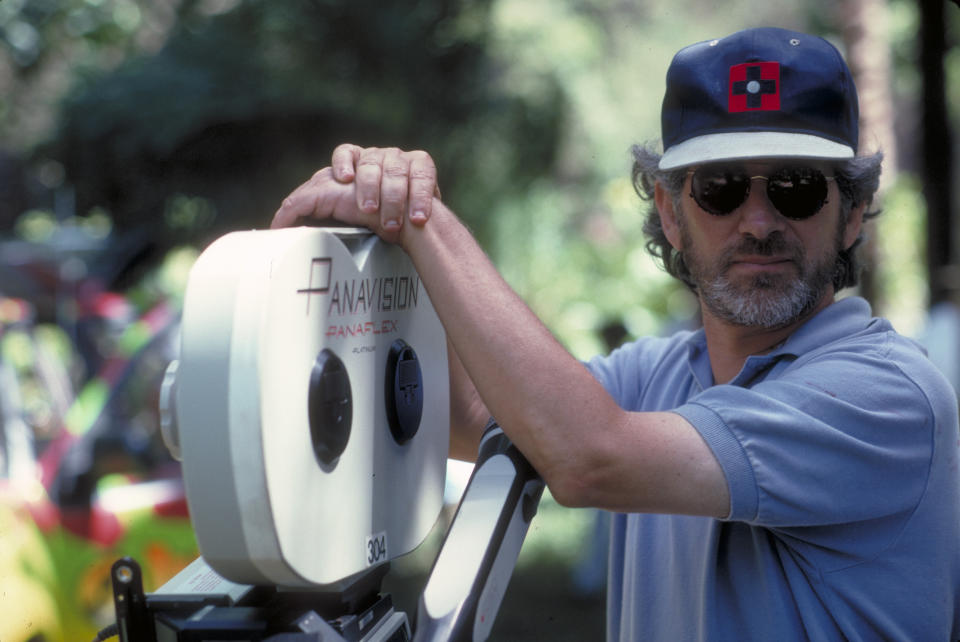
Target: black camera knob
{"x": 329, "y": 407}
{"x": 403, "y": 391}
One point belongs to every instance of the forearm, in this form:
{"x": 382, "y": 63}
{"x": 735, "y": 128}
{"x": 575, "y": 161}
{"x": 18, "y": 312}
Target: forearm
{"x": 544, "y": 399}
{"x": 468, "y": 413}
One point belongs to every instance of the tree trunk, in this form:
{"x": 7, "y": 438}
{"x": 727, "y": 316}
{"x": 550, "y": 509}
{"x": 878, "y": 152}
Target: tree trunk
{"x": 865, "y": 35}
{"x": 936, "y": 154}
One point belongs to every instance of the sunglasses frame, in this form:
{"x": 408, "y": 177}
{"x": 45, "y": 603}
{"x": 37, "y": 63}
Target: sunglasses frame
{"x": 715, "y": 211}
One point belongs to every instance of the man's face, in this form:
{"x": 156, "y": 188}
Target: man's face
{"x": 754, "y": 266}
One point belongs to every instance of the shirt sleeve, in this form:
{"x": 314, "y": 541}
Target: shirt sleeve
{"x": 627, "y": 372}
{"x": 842, "y": 437}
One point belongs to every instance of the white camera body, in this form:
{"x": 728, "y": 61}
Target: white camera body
{"x": 311, "y": 401}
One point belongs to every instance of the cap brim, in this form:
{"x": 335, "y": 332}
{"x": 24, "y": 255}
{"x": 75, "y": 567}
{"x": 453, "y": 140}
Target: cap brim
{"x": 744, "y": 145}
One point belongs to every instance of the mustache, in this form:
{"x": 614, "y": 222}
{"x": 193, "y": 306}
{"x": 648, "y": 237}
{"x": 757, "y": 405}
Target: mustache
{"x": 770, "y": 246}
{"x": 773, "y": 245}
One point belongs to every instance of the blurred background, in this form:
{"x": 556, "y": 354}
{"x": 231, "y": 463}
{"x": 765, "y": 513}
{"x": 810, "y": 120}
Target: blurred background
{"x": 134, "y": 132}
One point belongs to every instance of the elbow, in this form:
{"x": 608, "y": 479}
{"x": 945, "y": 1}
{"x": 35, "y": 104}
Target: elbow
{"x": 568, "y": 497}
{"x": 573, "y": 485}
{"x": 582, "y": 473}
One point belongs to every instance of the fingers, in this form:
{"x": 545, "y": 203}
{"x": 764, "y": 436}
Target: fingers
{"x": 321, "y": 197}
{"x": 369, "y": 170}
{"x": 384, "y": 186}
{"x": 394, "y": 186}
{"x": 423, "y": 187}
{"x": 324, "y": 197}
{"x": 397, "y": 183}
{"x": 344, "y": 162}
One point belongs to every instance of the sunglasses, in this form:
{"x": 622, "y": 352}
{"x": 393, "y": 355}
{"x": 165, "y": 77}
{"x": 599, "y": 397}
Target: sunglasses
{"x": 797, "y": 192}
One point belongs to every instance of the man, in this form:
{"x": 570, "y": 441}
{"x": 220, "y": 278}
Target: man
{"x": 789, "y": 470}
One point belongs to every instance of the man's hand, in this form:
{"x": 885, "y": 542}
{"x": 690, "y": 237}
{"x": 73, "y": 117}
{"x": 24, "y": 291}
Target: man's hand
{"x": 395, "y": 182}
{"x": 375, "y": 188}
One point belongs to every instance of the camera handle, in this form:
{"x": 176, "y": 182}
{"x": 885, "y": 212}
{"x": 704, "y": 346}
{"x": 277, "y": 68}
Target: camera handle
{"x": 470, "y": 574}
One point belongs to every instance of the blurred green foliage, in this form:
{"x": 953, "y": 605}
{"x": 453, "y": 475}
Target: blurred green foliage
{"x": 194, "y": 117}
{"x": 178, "y": 120}
{"x": 246, "y": 99}
{"x": 900, "y": 242}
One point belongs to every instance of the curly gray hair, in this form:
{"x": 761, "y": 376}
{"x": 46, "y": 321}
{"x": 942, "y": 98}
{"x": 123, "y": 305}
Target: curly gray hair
{"x": 857, "y": 180}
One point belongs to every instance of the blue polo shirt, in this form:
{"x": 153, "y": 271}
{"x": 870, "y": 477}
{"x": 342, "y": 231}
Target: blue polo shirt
{"x": 840, "y": 450}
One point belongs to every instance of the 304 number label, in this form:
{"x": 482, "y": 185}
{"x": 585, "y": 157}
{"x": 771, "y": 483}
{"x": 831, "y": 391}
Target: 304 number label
{"x": 376, "y": 548}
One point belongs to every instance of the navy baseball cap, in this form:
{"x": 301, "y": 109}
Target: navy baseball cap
{"x": 758, "y": 93}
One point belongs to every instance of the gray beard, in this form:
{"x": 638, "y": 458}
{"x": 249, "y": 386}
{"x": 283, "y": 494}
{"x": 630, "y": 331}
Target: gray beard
{"x": 766, "y": 304}
{"x": 766, "y": 301}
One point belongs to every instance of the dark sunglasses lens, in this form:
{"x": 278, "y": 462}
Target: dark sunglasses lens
{"x": 719, "y": 191}
{"x": 797, "y": 192}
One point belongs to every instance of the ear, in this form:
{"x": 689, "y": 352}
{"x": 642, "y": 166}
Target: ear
{"x": 668, "y": 217}
{"x": 854, "y": 224}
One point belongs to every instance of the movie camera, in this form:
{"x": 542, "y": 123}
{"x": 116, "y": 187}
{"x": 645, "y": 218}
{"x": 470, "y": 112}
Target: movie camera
{"x": 310, "y": 410}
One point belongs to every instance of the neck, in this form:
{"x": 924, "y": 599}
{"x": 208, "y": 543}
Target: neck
{"x": 729, "y": 345}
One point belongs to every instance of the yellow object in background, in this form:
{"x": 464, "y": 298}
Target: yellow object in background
{"x": 28, "y": 610}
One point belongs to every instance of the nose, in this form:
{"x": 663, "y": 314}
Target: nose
{"x": 758, "y": 217}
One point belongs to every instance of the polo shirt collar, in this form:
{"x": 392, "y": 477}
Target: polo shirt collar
{"x": 839, "y": 319}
